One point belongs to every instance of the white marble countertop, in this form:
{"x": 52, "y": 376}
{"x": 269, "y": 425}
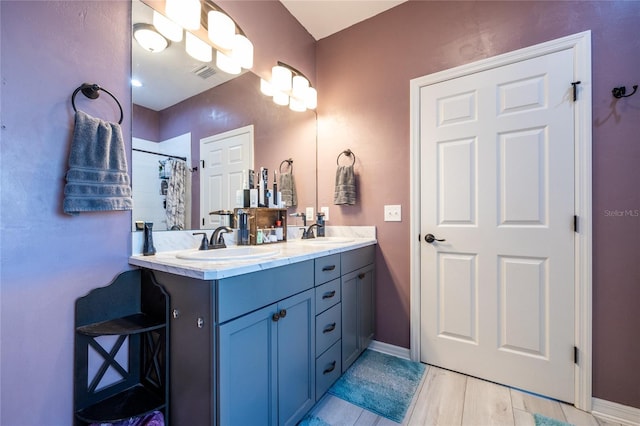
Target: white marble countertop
{"x": 288, "y": 252}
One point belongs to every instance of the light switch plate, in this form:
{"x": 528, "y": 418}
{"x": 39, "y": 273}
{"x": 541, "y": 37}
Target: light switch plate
{"x": 393, "y": 213}
{"x": 325, "y": 210}
{"x": 309, "y": 213}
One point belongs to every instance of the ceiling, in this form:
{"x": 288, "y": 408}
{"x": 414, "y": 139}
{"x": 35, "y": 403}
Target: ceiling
{"x": 173, "y": 76}
{"x": 325, "y": 17}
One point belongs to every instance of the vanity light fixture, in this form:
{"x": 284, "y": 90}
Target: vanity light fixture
{"x": 234, "y": 51}
{"x": 147, "y": 37}
{"x": 288, "y": 86}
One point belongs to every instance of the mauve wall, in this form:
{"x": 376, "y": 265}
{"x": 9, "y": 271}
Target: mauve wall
{"x": 49, "y": 259}
{"x": 363, "y": 88}
{"x": 145, "y": 123}
{"x": 279, "y": 133}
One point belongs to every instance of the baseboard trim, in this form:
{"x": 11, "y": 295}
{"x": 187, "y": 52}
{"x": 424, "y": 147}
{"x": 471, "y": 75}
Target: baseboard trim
{"x": 388, "y": 349}
{"x": 614, "y": 412}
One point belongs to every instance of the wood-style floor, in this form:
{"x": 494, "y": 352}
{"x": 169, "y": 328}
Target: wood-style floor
{"x": 451, "y": 399}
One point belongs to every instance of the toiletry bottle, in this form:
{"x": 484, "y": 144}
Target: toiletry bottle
{"x": 147, "y": 248}
{"x": 243, "y": 228}
{"x": 320, "y": 222}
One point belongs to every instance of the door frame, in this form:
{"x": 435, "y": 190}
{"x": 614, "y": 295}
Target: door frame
{"x": 580, "y": 45}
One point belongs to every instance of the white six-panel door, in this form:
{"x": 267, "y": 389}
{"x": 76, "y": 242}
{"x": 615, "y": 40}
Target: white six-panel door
{"x": 225, "y": 156}
{"x": 497, "y": 184}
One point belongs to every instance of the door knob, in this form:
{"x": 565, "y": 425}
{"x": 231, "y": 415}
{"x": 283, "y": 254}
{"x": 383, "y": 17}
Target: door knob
{"x": 430, "y": 238}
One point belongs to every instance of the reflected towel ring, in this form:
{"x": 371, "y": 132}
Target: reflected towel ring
{"x": 348, "y": 153}
{"x": 91, "y": 92}
{"x": 288, "y": 161}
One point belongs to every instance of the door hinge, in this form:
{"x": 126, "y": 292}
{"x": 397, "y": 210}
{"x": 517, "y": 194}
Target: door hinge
{"x": 575, "y": 90}
{"x": 419, "y": 239}
{"x": 575, "y": 355}
{"x": 203, "y": 221}
{"x": 202, "y": 161}
{"x": 575, "y": 223}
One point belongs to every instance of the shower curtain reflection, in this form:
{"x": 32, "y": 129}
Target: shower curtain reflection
{"x": 176, "y": 193}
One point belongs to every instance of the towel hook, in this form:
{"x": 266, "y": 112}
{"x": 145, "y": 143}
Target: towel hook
{"x": 289, "y": 161}
{"x": 620, "y": 92}
{"x": 348, "y": 153}
{"x": 91, "y": 92}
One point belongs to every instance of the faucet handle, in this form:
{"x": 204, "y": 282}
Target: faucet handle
{"x": 204, "y": 244}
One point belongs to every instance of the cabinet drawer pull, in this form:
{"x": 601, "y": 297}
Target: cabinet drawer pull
{"x": 330, "y": 369}
{"x": 329, "y": 328}
{"x": 329, "y": 268}
{"x": 361, "y": 275}
{"x": 329, "y": 294}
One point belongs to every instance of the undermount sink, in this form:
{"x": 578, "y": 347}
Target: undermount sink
{"x": 229, "y": 254}
{"x": 327, "y": 240}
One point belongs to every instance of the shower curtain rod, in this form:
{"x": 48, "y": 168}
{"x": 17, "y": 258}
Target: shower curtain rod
{"x": 163, "y": 155}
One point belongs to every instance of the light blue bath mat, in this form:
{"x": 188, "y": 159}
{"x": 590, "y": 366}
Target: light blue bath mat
{"x": 380, "y": 383}
{"x": 548, "y": 421}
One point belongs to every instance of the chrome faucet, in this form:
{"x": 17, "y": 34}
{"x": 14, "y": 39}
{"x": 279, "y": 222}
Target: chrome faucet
{"x": 308, "y": 233}
{"x": 217, "y": 239}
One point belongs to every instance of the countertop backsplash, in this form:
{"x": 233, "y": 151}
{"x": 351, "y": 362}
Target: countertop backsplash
{"x": 183, "y": 240}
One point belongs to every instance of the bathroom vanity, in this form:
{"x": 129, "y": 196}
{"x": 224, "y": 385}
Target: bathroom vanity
{"x": 259, "y": 341}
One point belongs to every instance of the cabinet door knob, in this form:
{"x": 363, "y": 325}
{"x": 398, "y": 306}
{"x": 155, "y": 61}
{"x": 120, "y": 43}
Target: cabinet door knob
{"x": 283, "y": 313}
{"x": 329, "y": 294}
{"x": 275, "y": 317}
{"x": 200, "y": 322}
{"x": 361, "y": 275}
{"x": 175, "y": 314}
{"x": 330, "y": 369}
{"x": 329, "y": 328}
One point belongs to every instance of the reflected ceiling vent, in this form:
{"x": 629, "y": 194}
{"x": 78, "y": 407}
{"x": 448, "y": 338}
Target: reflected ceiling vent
{"x": 204, "y": 72}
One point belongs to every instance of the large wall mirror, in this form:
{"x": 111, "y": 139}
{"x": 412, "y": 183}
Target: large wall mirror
{"x": 183, "y": 102}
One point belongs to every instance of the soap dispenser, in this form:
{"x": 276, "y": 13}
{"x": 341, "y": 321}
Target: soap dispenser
{"x": 320, "y": 222}
{"x": 148, "y": 249}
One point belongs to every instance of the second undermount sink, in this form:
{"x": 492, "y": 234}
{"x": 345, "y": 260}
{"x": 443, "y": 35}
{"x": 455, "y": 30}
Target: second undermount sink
{"x": 327, "y": 240}
{"x": 229, "y": 254}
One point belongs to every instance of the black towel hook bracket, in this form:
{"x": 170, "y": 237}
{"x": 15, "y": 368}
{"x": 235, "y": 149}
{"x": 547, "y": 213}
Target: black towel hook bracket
{"x": 91, "y": 92}
{"x": 620, "y": 92}
{"x": 289, "y": 161}
{"x": 348, "y": 153}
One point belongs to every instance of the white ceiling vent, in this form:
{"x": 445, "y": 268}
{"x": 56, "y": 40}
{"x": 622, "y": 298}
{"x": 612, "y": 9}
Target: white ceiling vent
{"x": 204, "y": 72}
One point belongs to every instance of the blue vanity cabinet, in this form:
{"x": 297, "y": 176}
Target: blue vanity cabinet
{"x": 267, "y": 346}
{"x": 358, "y": 302}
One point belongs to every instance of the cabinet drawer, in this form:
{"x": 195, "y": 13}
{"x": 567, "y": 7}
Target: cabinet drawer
{"x": 327, "y": 268}
{"x": 328, "y": 369}
{"x": 327, "y": 295}
{"x": 358, "y": 258}
{"x": 328, "y": 328}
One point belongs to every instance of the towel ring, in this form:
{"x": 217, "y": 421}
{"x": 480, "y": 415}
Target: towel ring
{"x": 91, "y": 92}
{"x": 288, "y": 161}
{"x": 348, "y": 153}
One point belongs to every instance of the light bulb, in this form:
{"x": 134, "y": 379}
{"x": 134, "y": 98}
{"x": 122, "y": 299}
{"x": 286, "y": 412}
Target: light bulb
{"x": 185, "y": 13}
{"x": 280, "y": 98}
{"x": 242, "y": 51}
{"x": 296, "y": 104}
{"x": 198, "y": 49}
{"x": 149, "y": 39}
{"x": 167, "y": 27}
{"x": 281, "y": 78}
{"x": 266, "y": 88}
{"x": 311, "y": 98}
{"x": 221, "y": 30}
{"x": 227, "y": 63}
